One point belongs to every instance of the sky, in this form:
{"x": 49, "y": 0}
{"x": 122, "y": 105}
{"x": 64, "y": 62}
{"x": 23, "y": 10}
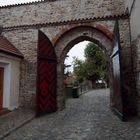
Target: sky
{"x": 8, "y": 2}
{"x": 77, "y": 50}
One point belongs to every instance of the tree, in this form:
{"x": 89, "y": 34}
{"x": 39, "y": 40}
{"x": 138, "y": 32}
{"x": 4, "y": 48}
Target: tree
{"x": 94, "y": 67}
{"x": 97, "y": 61}
{"x": 79, "y": 69}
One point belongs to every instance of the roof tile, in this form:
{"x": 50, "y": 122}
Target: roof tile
{"x": 7, "y": 47}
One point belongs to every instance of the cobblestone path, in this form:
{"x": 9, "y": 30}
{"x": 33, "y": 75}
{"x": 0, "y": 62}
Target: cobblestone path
{"x": 85, "y": 118}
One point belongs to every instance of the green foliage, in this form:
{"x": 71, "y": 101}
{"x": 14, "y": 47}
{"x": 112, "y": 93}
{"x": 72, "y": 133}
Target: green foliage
{"x": 94, "y": 67}
{"x": 79, "y": 69}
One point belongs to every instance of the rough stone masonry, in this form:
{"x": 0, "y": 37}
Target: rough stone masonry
{"x": 54, "y": 17}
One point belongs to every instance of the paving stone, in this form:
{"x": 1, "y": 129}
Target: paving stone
{"x": 14, "y": 119}
{"x": 86, "y": 118}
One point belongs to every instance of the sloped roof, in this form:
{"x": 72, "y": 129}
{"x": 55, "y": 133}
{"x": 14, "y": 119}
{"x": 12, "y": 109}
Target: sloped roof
{"x": 7, "y": 47}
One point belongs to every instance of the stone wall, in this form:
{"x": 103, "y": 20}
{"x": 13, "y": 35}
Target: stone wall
{"x": 127, "y": 66}
{"x": 58, "y": 11}
{"x": 25, "y": 39}
{"x": 55, "y": 12}
{"x": 26, "y": 42}
{"x": 134, "y": 10}
{"x": 136, "y": 63}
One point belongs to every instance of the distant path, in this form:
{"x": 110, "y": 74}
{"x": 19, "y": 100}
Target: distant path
{"x": 86, "y": 118}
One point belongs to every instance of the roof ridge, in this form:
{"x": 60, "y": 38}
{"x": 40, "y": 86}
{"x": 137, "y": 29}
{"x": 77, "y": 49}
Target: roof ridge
{"x": 25, "y": 3}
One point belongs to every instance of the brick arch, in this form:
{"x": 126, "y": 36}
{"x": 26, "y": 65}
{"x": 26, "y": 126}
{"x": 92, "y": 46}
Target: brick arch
{"x": 76, "y": 41}
{"x": 65, "y": 41}
{"x": 101, "y": 28}
{"x": 86, "y": 32}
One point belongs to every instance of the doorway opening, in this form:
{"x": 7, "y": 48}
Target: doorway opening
{"x": 85, "y": 69}
{"x": 67, "y": 41}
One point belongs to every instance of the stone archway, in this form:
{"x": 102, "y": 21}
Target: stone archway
{"x": 68, "y": 40}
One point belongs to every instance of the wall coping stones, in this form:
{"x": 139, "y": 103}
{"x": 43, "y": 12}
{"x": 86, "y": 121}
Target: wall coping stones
{"x": 83, "y": 20}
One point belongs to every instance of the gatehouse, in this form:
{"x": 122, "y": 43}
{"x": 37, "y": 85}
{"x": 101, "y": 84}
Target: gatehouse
{"x": 35, "y": 38}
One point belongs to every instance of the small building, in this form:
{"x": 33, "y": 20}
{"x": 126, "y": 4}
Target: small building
{"x": 10, "y": 58}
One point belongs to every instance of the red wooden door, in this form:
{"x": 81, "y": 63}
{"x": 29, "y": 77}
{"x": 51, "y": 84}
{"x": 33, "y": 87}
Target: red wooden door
{"x": 119, "y": 97}
{"x": 1, "y": 86}
{"x": 46, "y": 76}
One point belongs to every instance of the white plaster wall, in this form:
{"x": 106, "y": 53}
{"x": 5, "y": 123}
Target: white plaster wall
{"x": 14, "y": 90}
{"x": 134, "y": 18}
{"x": 128, "y": 4}
{"x": 7, "y": 78}
{"x": 11, "y": 81}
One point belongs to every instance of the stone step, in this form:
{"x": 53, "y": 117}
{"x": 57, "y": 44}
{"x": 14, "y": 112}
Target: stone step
{"x": 4, "y": 111}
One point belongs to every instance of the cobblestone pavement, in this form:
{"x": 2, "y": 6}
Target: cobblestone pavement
{"x": 14, "y": 119}
{"x": 85, "y": 118}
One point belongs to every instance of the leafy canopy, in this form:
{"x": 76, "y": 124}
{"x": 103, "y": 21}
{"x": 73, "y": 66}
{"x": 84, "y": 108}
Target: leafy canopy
{"x": 94, "y": 67}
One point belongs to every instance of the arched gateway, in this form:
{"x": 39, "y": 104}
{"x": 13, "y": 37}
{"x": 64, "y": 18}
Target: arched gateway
{"x": 75, "y": 35}
{"x": 45, "y": 31}
{"x": 47, "y": 100}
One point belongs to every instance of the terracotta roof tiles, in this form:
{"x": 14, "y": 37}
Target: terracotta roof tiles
{"x": 7, "y": 47}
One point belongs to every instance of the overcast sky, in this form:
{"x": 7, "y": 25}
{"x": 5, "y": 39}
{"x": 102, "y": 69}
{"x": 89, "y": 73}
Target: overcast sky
{"x": 76, "y": 51}
{"x": 8, "y": 2}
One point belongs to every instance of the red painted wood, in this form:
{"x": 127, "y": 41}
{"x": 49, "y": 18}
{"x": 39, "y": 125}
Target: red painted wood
{"x": 119, "y": 100}
{"x": 46, "y": 76}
